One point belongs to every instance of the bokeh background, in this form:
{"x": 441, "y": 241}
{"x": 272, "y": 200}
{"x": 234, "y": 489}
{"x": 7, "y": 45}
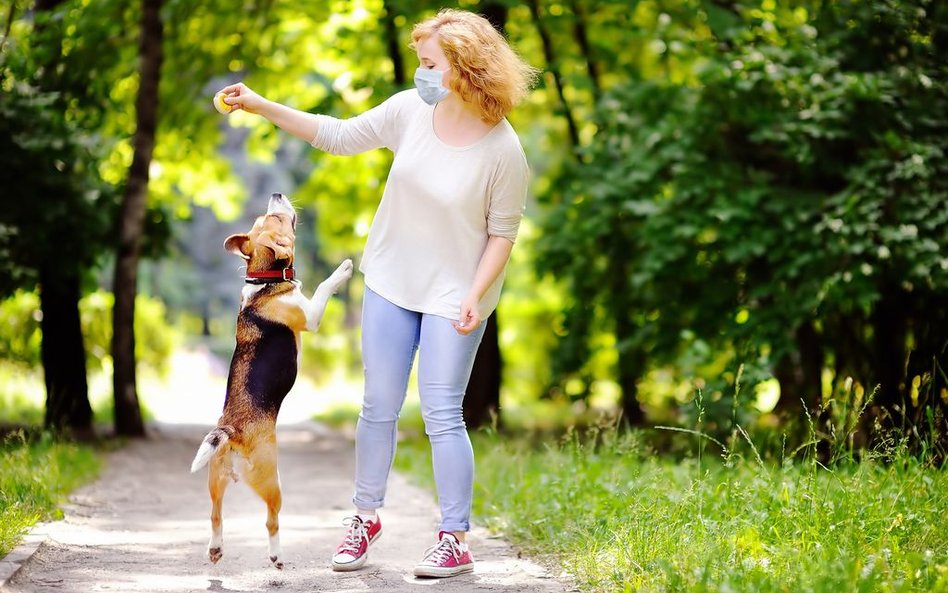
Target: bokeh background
{"x": 737, "y": 214}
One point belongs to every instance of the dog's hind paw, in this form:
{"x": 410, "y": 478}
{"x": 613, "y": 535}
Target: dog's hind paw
{"x": 276, "y": 562}
{"x": 214, "y": 554}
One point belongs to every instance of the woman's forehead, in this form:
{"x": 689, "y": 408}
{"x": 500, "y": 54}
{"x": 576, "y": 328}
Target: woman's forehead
{"x": 430, "y": 48}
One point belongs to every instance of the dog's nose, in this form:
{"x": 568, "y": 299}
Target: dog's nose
{"x": 277, "y": 196}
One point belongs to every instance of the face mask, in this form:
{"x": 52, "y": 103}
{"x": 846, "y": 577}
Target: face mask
{"x": 428, "y": 83}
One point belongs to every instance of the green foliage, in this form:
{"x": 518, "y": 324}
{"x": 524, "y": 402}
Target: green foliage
{"x": 752, "y": 210}
{"x": 23, "y": 394}
{"x": 332, "y": 350}
{"x": 35, "y": 477}
{"x": 48, "y": 175}
{"x": 155, "y": 339}
{"x": 731, "y": 202}
{"x": 619, "y": 518}
{"x": 20, "y": 317}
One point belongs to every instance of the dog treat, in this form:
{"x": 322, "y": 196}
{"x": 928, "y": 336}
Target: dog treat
{"x": 219, "y": 104}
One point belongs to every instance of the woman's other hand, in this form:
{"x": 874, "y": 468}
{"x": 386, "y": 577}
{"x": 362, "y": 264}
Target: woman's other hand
{"x": 470, "y": 317}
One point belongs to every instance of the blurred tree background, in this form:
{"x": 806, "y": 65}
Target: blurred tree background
{"x": 739, "y": 205}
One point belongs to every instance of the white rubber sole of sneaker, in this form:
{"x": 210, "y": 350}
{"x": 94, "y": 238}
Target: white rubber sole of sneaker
{"x": 440, "y": 571}
{"x": 357, "y": 563}
{"x": 347, "y": 566}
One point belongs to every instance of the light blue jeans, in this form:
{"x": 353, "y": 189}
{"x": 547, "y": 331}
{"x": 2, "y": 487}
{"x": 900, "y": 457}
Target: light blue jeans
{"x": 390, "y": 336}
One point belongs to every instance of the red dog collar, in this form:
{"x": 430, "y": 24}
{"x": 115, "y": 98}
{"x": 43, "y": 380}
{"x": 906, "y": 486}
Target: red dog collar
{"x": 270, "y": 276}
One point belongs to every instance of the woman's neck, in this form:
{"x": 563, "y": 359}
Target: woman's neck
{"x": 457, "y": 123}
{"x": 455, "y": 110}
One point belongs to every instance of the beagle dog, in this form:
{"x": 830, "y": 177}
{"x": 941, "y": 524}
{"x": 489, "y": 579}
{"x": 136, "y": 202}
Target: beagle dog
{"x": 273, "y": 312}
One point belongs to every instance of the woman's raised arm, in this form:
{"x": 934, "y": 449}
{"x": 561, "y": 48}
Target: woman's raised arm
{"x": 298, "y": 123}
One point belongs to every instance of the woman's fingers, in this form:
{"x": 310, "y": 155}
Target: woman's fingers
{"x": 237, "y": 95}
{"x": 232, "y": 88}
{"x": 468, "y": 322}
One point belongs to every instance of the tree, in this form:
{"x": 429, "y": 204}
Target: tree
{"x": 57, "y": 218}
{"x": 128, "y": 420}
{"x": 61, "y": 198}
{"x": 752, "y": 212}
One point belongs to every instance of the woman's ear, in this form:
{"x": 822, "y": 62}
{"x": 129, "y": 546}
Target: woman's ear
{"x": 238, "y": 245}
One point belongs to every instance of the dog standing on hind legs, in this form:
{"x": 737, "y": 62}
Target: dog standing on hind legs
{"x": 273, "y": 312}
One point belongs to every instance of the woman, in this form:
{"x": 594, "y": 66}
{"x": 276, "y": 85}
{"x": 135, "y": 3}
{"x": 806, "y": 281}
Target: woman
{"x": 434, "y": 259}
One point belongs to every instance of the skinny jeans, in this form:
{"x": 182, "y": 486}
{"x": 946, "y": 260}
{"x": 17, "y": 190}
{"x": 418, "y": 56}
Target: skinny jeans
{"x": 390, "y": 337}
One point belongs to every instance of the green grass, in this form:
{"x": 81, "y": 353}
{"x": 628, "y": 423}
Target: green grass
{"x": 35, "y": 477}
{"x": 602, "y": 505}
{"x": 619, "y": 518}
{"x": 37, "y": 471}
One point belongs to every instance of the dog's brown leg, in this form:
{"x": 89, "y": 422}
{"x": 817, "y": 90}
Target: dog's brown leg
{"x": 265, "y": 481}
{"x": 219, "y": 475}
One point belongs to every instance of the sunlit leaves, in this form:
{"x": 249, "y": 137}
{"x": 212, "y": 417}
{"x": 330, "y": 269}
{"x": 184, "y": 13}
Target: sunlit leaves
{"x": 798, "y": 175}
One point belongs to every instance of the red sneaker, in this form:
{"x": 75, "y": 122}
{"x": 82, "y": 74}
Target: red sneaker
{"x": 353, "y": 551}
{"x": 447, "y": 558}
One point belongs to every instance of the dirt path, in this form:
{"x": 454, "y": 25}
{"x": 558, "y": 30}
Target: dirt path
{"x": 143, "y": 527}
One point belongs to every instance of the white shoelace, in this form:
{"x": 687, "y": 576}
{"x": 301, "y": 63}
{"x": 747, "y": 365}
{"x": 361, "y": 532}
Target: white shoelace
{"x": 439, "y": 553}
{"x": 354, "y": 537}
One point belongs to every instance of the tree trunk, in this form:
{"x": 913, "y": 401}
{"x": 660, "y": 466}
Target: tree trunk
{"x": 582, "y": 40}
{"x": 632, "y": 360}
{"x": 496, "y": 13}
{"x": 553, "y": 65}
{"x": 811, "y": 364}
{"x": 392, "y": 44}
{"x": 889, "y": 345}
{"x": 482, "y": 396}
{"x": 800, "y": 375}
{"x": 128, "y": 418}
{"x": 206, "y": 318}
{"x": 63, "y": 353}
{"x": 631, "y": 368}
{"x": 928, "y": 361}
{"x": 790, "y": 406}
{"x": 62, "y": 350}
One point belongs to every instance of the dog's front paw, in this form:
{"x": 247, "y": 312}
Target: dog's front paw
{"x": 214, "y": 554}
{"x": 276, "y": 562}
{"x": 341, "y": 275}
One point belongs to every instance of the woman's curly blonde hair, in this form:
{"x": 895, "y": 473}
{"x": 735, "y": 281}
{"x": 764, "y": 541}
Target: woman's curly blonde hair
{"x": 489, "y": 74}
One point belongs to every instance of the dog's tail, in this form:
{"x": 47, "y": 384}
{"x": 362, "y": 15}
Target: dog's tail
{"x": 214, "y": 440}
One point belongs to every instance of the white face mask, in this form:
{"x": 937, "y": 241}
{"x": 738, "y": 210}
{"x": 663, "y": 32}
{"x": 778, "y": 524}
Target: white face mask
{"x": 428, "y": 83}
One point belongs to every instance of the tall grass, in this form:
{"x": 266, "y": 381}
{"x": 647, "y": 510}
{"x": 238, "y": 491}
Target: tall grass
{"x": 617, "y": 517}
{"x": 621, "y": 519}
{"x": 35, "y": 477}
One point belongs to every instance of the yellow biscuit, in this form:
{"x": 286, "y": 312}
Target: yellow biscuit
{"x": 220, "y": 105}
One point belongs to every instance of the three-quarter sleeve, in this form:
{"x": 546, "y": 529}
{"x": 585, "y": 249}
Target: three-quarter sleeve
{"x": 508, "y": 196}
{"x": 374, "y": 128}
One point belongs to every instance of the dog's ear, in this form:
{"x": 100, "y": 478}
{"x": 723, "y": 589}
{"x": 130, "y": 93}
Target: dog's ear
{"x": 281, "y": 245}
{"x": 238, "y": 245}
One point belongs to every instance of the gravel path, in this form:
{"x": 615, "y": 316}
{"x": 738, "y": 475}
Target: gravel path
{"x": 143, "y": 527}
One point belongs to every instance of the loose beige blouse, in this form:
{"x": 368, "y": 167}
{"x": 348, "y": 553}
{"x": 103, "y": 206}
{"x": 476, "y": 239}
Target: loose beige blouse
{"x": 439, "y": 206}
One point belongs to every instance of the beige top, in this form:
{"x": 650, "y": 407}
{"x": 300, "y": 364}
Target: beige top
{"x": 440, "y": 203}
